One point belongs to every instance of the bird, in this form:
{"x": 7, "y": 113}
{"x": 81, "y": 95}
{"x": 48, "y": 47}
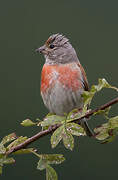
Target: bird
{"x": 63, "y": 79}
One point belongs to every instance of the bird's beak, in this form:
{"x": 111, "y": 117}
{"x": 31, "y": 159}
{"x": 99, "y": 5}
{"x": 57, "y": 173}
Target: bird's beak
{"x": 41, "y": 49}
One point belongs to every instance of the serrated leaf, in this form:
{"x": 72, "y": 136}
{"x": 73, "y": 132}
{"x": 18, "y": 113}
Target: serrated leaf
{"x": 28, "y": 122}
{"x": 24, "y": 151}
{"x": 57, "y": 136}
{"x": 53, "y": 158}
{"x": 102, "y": 131}
{"x": 16, "y": 142}
{"x": 42, "y": 163}
{"x": 75, "y": 129}
{"x": 51, "y": 173}
{"x": 9, "y": 138}
{"x": 68, "y": 140}
{"x": 52, "y": 120}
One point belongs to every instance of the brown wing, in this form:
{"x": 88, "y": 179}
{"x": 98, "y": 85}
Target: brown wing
{"x": 85, "y": 81}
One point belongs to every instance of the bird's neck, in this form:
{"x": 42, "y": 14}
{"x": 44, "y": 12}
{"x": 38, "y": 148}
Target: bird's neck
{"x": 61, "y": 60}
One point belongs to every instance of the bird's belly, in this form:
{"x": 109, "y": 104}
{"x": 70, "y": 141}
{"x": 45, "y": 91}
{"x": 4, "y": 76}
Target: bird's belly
{"x": 61, "y": 99}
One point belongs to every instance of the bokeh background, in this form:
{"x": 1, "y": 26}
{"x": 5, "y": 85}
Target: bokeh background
{"x": 92, "y": 27}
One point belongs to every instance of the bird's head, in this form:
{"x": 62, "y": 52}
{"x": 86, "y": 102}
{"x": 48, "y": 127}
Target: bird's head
{"x": 57, "y": 49}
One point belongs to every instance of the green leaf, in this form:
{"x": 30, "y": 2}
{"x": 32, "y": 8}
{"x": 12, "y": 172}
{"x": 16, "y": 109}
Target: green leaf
{"x": 46, "y": 159}
{"x": 113, "y": 122}
{"x": 0, "y": 169}
{"x": 68, "y": 140}
{"x": 5, "y": 160}
{"x": 24, "y": 151}
{"x": 16, "y": 142}
{"x": 73, "y": 114}
{"x": 75, "y": 129}
{"x": 102, "y": 83}
{"x": 107, "y": 131}
{"x": 102, "y": 131}
{"x": 28, "y": 122}
{"x": 88, "y": 96}
{"x": 50, "y": 173}
{"x": 60, "y": 133}
{"x": 112, "y": 134}
{"x": 53, "y": 158}
{"x": 8, "y": 161}
{"x": 42, "y": 164}
{"x": 104, "y": 112}
{"x": 57, "y": 136}
{"x": 2, "y": 157}
{"x": 38, "y": 119}
{"x": 108, "y": 140}
{"x": 52, "y": 120}
{"x": 9, "y": 138}
{"x": 2, "y": 149}
{"x": 87, "y": 99}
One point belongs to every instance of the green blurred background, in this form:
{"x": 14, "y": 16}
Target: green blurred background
{"x": 92, "y": 27}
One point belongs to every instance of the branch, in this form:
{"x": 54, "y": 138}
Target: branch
{"x": 102, "y": 107}
{"x": 53, "y": 128}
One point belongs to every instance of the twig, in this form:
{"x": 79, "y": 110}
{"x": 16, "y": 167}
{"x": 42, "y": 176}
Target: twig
{"x": 53, "y": 128}
{"x": 33, "y": 138}
{"x": 102, "y": 107}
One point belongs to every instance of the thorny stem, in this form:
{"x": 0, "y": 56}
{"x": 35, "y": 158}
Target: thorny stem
{"x": 53, "y": 128}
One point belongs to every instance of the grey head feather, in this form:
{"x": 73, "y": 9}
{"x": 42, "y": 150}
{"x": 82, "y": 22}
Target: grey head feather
{"x": 62, "y": 52}
{"x": 57, "y": 39}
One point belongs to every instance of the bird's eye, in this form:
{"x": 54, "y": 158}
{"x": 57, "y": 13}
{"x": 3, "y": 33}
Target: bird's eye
{"x": 51, "y": 46}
